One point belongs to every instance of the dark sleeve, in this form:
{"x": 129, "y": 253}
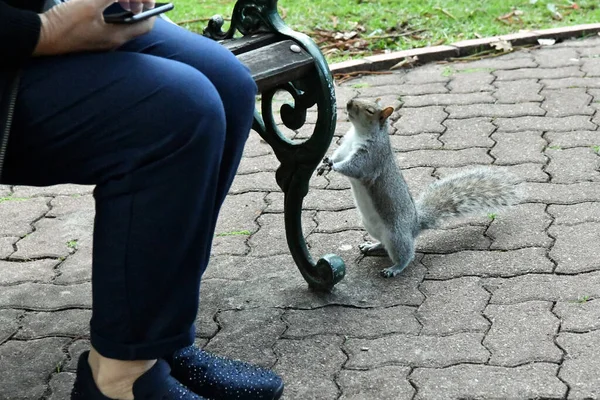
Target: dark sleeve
{"x": 19, "y": 34}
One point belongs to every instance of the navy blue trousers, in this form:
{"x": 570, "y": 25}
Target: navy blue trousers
{"x": 159, "y": 127}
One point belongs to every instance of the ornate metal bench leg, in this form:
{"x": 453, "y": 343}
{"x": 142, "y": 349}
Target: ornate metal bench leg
{"x": 298, "y": 160}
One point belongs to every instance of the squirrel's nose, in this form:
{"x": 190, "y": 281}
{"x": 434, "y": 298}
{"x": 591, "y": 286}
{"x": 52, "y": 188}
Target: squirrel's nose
{"x": 349, "y": 105}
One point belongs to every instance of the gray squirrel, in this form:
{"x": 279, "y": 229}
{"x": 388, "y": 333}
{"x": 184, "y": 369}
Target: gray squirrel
{"x": 389, "y": 213}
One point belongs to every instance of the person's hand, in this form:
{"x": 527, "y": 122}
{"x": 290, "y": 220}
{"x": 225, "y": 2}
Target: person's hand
{"x": 136, "y": 6}
{"x": 78, "y": 25}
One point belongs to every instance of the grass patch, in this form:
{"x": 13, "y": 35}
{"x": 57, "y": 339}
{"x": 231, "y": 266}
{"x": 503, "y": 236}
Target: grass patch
{"x": 72, "y": 244}
{"x": 596, "y": 149}
{"x": 11, "y": 198}
{"x": 234, "y": 233}
{"x": 395, "y": 25}
{"x": 492, "y": 216}
{"x": 555, "y": 147}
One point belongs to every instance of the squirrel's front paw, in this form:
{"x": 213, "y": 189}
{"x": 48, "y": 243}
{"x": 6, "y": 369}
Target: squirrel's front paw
{"x": 325, "y": 166}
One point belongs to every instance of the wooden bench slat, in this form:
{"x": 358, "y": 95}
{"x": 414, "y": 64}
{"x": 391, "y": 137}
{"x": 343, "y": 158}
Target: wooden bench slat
{"x": 248, "y": 43}
{"x": 276, "y": 64}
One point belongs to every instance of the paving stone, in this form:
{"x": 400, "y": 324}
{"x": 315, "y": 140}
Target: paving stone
{"x": 465, "y": 133}
{"x": 337, "y": 182}
{"x": 453, "y": 240}
{"x": 580, "y": 82}
{"x": 519, "y": 124}
{"x": 565, "y": 102}
{"x": 420, "y": 120}
{"x": 443, "y": 158}
{"x": 508, "y": 61}
{"x": 546, "y": 287}
{"x": 77, "y": 267}
{"x": 5, "y": 191}
{"x": 248, "y": 335}
{"x": 65, "y": 206}
{"x": 446, "y": 99}
{"x": 236, "y": 244}
{"x": 453, "y": 306}
{"x": 361, "y": 287}
{"x": 385, "y": 383}
{"x": 413, "y": 90}
{"x": 528, "y": 172}
{"x": 575, "y": 214}
{"x": 522, "y": 333}
{"x": 523, "y": 225}
{"x": 61, "y": 385}
{"x": 338, "y": 221}
{"x": 239, "y": 213}
{"x": 351, "y": 322}
{"x": 561, "y": 194}
{"x": 418, "y": 179}
{"x": 575, "y": 249}
{"x": 521, "y": 91}
{"x": 26, "y": 365}
{"x": 495, "y": 110}
{"x": 17, "y": 215}
{"x": 491, "y": 263}
{"x": 470, "y": 81}
{"x": 578, "y": 316}
{"x": 270, "y": 239}
{"x": 589, "y": 51}
{"x": 581, "y": 367}
{"x": 415, "y": 351}
{"x": 550, "y": 58}
{"x": 308, "y": 367}
{"x": 55, "y": 237}
{"x": 259, "y": 182}
{"x": 567, "y": 140}
{"x": 206, "y": 326}
{"x": 427, "y": 74}
{"x": 52, "y": 191}
{"x": 344, "y": 244}
{"x": 75, "y": 350}
{"x": 538, "y": 73}
{"x": 562, "y": 169}
{"x": 415, "y": 142}
{"x": 256, "y": 146}
{"x": 17, "y": 272}
{"x": 9, "y": 323}
{"x": 531, "y": 381}
{"x": 329, "y": 200}
{"x": 344, "y": 93}
{"x": 394, "y": 78}
{"x": 73, "y": 323}
{"x": 47, "y": 297}
{"x": 591, "y": 67}
{"x": 252, "y": 165}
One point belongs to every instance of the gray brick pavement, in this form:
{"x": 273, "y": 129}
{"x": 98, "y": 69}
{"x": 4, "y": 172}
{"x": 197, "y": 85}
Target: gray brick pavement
{"x": 504, "y": 307}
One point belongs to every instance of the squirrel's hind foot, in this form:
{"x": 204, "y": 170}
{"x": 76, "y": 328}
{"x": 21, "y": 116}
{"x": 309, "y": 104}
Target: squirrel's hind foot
{"x": 392, "y": 271}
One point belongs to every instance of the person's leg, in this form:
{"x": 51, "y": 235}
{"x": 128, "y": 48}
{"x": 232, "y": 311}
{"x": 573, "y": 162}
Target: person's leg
{"x": 150, "y": 133}
{"x": 231, "y": 78}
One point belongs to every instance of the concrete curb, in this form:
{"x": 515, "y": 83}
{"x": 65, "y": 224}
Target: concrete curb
{"x": 460, "y": 49}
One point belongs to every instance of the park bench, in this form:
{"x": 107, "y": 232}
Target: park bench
{"x": 281, "y": 59}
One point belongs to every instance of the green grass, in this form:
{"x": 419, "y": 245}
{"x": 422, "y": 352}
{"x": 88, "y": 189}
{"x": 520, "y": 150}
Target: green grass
{"x": 595, "y": 148}
{"x": 234, "y": 233}
{"x": 432, "y": 21}
{"x": 492, "y": 216}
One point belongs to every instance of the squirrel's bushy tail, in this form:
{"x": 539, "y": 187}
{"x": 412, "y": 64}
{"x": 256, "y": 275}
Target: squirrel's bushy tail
{"x": 474, "y": 191}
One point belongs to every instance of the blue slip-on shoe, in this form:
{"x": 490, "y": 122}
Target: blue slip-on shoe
{"x": 222, "y": 378}
{"x": 155, "y": 384}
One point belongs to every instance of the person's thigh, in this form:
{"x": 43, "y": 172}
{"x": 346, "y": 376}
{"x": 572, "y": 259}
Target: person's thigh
{"x": 86, "y": 118}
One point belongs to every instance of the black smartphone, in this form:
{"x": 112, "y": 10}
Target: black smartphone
{"x": 115, "y": 14}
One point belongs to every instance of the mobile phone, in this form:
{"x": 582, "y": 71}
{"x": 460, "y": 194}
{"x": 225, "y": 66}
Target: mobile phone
{"x": 115, "y": 14}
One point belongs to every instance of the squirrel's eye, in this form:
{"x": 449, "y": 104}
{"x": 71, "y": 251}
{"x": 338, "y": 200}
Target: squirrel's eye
{"x": 370, "y": 111}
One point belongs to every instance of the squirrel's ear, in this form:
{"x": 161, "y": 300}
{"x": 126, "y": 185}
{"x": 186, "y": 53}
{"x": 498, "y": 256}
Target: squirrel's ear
{"x": 385, "y": 113}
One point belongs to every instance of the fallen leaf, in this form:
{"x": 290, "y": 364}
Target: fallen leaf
{"x": 406, "y": 62}
{"x": 502, "y": 45}
{"x": 546, "y": 42}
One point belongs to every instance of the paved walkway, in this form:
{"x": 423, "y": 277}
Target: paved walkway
{"x": 492, "y": 308}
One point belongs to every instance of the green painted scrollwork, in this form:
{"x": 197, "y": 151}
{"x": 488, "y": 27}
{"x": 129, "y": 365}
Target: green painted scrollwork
{"x": 298, "y": 160}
